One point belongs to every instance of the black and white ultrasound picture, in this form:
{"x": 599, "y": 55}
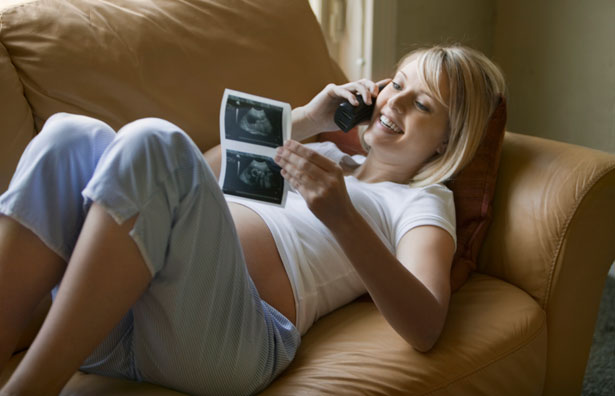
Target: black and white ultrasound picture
{"x": 253, "y": 122}
{"x": 253, "y": 176}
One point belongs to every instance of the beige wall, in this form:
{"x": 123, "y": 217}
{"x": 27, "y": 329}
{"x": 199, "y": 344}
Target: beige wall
{"x": 558, "y": 57}
{"x": 426, "y": 22}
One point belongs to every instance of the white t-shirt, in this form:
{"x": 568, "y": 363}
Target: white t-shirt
{"x": 321, "y": 276}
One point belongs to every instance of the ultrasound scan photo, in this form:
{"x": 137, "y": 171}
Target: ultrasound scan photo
{"x": 251, "y": 128}
{"x": 252, "y": 122}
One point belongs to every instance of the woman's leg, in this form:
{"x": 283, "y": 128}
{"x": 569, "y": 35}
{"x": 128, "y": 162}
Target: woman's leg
{"x": 28, "y": 271}
{"x": 42, "y": 214}
{"x": 105, "y": 276}
{"x": 200, "y": 325}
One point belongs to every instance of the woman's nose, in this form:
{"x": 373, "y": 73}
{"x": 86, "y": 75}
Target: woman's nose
{"x": 396, "y": 102}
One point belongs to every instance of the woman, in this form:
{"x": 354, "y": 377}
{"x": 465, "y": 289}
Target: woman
{"x": 157, "y": 283}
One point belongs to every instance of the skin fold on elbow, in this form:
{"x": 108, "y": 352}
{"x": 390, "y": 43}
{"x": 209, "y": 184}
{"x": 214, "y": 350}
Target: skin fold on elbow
{"x": 425, "y": 343}
{"x": 426, "y": 335}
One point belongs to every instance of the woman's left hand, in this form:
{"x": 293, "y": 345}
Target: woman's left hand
{"x": 319, "y": 180}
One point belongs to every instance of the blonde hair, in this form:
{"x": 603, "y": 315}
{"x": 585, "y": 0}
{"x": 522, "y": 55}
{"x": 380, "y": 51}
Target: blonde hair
{"x": 476, "y": 86}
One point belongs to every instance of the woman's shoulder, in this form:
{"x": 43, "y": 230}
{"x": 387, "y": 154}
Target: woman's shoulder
{"x": 436, "y": 189}
{"x": 433, "y": 198}
{"x": 439, "y": 189}
{"x": 426, "y": 205}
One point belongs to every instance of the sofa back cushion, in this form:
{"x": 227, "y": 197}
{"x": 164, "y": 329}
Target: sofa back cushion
{"x": 120, "y": 60}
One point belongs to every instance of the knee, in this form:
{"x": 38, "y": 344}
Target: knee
{"x": 155, "y": 139}
{"x": 64, "y": 132}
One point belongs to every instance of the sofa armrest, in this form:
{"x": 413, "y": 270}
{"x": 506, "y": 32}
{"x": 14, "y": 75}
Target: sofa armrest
{"x": 552, "y": 236}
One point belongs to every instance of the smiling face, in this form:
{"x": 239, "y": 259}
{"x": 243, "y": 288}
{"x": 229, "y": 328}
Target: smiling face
{"x": 409, "y": 125}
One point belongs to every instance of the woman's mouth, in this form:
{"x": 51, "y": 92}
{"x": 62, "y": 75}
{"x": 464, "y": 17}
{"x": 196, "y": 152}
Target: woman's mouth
{"x": 387, "y": 123}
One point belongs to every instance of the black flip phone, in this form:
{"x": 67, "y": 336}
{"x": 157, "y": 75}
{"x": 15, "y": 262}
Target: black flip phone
{"x": 348, "y": 116}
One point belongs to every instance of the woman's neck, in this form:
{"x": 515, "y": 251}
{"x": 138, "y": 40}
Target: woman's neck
{"x": 375, "y": 171}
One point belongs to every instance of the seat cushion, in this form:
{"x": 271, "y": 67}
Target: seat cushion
{"x": 494, "y": 342}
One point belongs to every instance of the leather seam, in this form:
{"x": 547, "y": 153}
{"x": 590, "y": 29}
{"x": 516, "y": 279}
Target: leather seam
{"x": 498, "y": 358}
{"x": 564, "y": 232}
{"x": 15, "y": 68}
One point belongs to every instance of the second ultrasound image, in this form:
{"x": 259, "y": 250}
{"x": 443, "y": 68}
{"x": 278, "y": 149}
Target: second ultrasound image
{"x": 253, "y": 176}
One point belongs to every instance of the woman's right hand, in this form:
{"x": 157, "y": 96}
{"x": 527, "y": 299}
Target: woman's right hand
{"x": 317, "y": 115}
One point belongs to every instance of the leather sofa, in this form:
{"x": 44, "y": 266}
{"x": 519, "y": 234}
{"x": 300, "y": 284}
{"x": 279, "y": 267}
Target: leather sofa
{"x": 523, "y": 322}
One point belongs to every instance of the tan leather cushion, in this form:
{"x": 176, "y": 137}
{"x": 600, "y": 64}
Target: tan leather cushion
{"x": 126, "y": 59}
{"x": 494, "y": 341}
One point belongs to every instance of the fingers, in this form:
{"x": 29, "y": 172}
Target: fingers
{"x": 302, "y": 176}
{"x": 382, "y": 83}
{"x": 305, "y": 169}
{"x": 303, "y": 158}
{"x": 344, "y": 92}
{"x": 367, "y": 89}
{"x": 297, "y": 181}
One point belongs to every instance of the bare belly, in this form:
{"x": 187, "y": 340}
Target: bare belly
{"x": 264, "y": 263}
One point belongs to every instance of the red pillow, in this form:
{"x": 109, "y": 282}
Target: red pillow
{"x": 347, "y": 142}
{"x": 473, "y": 189}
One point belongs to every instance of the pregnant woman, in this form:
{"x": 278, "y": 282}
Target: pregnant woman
{"x": 163, "y": 279}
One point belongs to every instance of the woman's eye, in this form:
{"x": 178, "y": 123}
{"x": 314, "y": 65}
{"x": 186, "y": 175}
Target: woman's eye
{"x": 421, "y": 106}
{"x": 395, "y": 85}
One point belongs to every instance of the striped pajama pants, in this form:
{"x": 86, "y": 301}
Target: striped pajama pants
{"x": 200, "y": 327}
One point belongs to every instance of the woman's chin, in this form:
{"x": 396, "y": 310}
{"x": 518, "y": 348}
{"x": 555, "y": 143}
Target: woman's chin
{"x": 376, "y": 134}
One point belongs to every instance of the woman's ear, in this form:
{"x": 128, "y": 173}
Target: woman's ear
{"x": 442, "y": 147}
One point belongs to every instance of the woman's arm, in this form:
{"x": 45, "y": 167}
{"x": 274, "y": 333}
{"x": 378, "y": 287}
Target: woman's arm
{"x": 317, "y": 115}
{"x": 411, "y": 290}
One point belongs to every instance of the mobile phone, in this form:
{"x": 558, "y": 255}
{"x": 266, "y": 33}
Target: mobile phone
{"x": 348, "y": 116}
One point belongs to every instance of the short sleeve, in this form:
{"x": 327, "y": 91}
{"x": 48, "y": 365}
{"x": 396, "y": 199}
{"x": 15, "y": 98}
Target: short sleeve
{"x": 432, "y": 205}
